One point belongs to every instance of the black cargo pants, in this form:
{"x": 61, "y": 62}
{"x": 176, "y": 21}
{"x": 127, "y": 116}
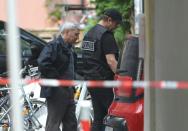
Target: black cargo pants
{"x": 101, "y": 100}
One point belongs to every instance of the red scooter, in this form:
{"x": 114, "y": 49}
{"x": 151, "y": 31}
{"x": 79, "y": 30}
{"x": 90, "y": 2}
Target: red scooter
{"x": 126, "y": 110}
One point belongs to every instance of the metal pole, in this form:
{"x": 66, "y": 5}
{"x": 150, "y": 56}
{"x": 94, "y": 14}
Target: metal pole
{"x": 138, "y": 9}
{"x": 14, "y": 64}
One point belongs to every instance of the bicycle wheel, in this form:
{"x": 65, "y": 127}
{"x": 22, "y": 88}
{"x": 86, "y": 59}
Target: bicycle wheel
{"x": 5, "y": 120}
{"x": 37, "y": 118}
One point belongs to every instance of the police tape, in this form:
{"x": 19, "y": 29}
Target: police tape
{"x": 106, "y": 84}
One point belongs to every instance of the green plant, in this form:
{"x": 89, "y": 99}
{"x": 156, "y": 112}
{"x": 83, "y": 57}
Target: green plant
{"x": 54, "y": 12}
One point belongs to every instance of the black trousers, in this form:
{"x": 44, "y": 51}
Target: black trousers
{"x": 61, "y": 109}
{"x": 101, "y": 100}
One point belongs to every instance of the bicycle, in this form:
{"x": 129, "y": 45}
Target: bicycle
{"x": 34, "y": 111}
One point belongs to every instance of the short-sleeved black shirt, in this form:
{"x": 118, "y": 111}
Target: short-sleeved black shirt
{"x": 109, "y": 45}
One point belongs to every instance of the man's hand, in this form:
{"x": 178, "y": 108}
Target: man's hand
{"x": 111, "y": 60}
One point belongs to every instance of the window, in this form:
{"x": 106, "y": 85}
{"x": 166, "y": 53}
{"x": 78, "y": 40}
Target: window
{"x": 2, "y": 42}
{"x": 25, "y": 48}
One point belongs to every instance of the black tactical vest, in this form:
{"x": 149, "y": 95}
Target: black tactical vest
{"x": 95, "y": 65}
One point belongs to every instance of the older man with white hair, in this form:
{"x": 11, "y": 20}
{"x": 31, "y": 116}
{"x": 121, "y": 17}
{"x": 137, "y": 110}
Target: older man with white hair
{"x": 56, "y": 61}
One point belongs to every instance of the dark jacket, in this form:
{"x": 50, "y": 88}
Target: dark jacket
{"x": 52, "y": 62}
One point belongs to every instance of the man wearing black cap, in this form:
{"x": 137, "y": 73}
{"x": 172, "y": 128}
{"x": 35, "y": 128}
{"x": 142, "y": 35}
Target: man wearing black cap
{"x": 100, "y": 54}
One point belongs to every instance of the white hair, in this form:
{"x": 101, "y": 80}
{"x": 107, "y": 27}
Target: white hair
{"x": 68, "y": 26}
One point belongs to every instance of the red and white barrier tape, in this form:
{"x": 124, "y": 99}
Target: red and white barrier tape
{"x": 108, "y": 84}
